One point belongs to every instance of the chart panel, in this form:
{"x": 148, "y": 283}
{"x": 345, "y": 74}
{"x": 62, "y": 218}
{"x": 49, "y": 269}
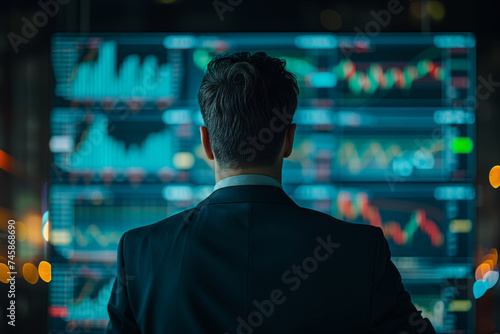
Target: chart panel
{"x": 385, "y": 136}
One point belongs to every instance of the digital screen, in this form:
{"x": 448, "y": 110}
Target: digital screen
{"x": 385, "y": 137}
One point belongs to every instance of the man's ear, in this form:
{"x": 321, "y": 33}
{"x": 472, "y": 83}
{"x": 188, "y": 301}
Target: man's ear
{"x": 205, "y": 140}
{"x": 288, "y": 142}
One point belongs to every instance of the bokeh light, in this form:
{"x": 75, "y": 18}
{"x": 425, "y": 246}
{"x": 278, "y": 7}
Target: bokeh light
{"x": 30, "y": 273}
{"x": 45, "y": 271}
{"x": 45, "y": 231}
{"x": 486, "y": 274}
{"x": 495, "y": 176}
{"x": 7, "y": 162}
{"x": 33, "y": 222}
{"x": 45, "y": 226}
{"x": 184, "y": 160}
{"x": 436, "y": 10}
{"x": 330, "y": 19}
{"x": 20, "y": 231}
{"x": 482, "y": 269}
{"x": 97, "y": 197}
{"x": 4, "y": 273}
{"x": 416, "y": 9}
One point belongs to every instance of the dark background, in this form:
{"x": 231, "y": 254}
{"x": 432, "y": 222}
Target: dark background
{"x": 25, "y": 86}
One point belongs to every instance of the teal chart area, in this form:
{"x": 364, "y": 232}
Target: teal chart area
{"x": 385, "y": 137}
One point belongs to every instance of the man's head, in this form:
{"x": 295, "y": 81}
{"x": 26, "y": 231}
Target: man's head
{"x": 247, "y": 103}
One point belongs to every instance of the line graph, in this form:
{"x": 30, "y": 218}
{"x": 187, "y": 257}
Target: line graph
{"x": 402, "y": 155}
{"x": 99, "y": 224}
{"x": 402, "y": 233}
{"x": 92, "y": 234}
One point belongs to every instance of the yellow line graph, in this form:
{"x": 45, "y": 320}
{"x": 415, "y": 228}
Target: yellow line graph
{"x": 357, "y": 155}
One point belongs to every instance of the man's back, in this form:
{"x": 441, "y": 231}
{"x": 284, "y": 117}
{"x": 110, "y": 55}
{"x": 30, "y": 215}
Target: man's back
{"x": 249, "y": 260}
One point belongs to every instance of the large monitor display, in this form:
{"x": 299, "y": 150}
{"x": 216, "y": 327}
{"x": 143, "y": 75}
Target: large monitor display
{"x": 385, "y": 136}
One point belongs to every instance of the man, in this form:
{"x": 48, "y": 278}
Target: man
{"x": 247, "y": 259}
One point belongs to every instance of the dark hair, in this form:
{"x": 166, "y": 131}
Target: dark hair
{"x": 247, "y": 103}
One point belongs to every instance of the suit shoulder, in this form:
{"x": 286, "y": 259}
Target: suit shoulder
{"x": 358, "y": 229}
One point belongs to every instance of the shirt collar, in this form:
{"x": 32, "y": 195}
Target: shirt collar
{"x": 247, "y": 179}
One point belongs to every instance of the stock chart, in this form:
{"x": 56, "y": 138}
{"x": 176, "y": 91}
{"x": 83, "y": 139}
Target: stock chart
{"x": 385, "y": 136}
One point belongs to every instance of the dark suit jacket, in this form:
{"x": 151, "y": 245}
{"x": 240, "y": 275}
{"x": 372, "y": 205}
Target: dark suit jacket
{"x": 247, "y": 259}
